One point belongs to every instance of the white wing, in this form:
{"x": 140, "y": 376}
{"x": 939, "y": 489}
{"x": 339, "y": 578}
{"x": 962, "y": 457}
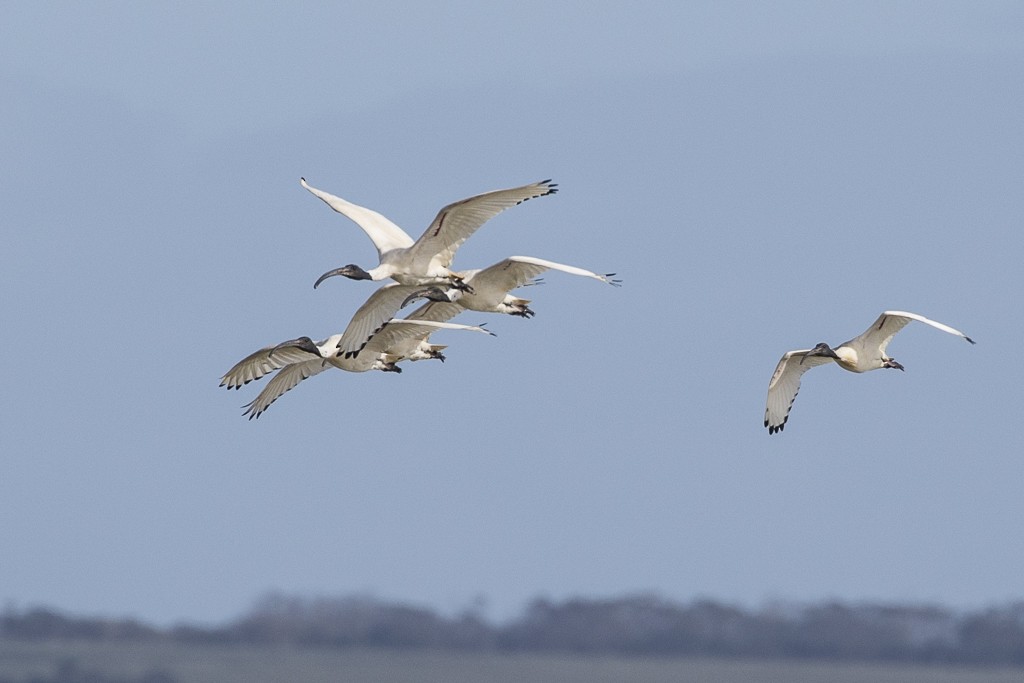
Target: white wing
{"x": 284, "y": 381}
{"x": 889, "y": 323}
{"x": 494, "y": 282}
{"x": 397, "y": 331}
{"x": 384, "y": 234}
{"x": 454, "y": 224}
{"x": 785, "y": 385}
{"x": 437, "y": 311}
{"x": 516, "y": 271}
{"x": 262, "y": 362}
{"x": 381, "y": 307}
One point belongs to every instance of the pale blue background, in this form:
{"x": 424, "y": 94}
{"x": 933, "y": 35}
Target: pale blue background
{"x": 763, "y": 176}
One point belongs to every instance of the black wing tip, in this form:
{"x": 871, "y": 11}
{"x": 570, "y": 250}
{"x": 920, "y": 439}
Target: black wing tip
{"x": 969, "y": 339}
{"x": 549, "y": 187}
{"x": 774, "y": 429}
{"x": 224, "y": 382}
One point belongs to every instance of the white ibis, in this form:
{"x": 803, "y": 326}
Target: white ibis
{"x": 860, "y": 354}
{"x": 427, "y": 260}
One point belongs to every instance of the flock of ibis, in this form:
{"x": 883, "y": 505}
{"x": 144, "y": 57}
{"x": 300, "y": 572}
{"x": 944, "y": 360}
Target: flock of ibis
{"x": 376, "y": 340}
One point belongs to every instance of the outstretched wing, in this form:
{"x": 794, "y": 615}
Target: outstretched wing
{"x": 285, "y": 380}
{"x": 456, "y": 222}
{"x": 262, "y": 362}
{"x": 889, "y": 323}
{"x": 516, "y": 271}
{"x": 381, "y": 307}
{"x": 436, "y": 311}
{"x": 398, "y": 331}
{"x": 384, "y": 234}
{"x": 785, "y": 385}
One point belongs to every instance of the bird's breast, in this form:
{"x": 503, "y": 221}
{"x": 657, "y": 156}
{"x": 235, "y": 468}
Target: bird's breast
{"x": 848, "y": 359}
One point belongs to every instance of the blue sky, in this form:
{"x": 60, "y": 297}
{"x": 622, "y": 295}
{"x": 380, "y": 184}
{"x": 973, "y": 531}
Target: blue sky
{"x": 762, "y": 177}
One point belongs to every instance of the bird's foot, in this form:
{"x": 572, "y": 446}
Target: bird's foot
{"x": 459, "y": 284}
{"x": 524, "y": 312}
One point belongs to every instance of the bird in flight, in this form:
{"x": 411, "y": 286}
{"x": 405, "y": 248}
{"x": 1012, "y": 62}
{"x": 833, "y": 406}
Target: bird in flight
{"x": 860, "y": 354}
{"x": 426, "y": 261}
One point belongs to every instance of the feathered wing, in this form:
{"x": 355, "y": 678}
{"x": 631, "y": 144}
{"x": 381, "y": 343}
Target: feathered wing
{"x": 262, "y": 362}
{"x": 889, "y": 323}
{"x": 285, "y": 380}
{"x": 381, "y": 307}
{"x": 517, "y": 271}
{"x": 398, "y": 331}
{"x": 436, "y": 311}
{"x": 785, "y": 385}
{"x": 384, "y": 234}
{"x": 455, "y": 223}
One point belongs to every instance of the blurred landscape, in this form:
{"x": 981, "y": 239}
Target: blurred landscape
{"x": 644, "y": 637}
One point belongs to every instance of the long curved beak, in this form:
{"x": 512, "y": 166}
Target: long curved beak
{"x": 304, "y": 343}
{"x": 432, "y": 293}
{"x": 329, "y": 273}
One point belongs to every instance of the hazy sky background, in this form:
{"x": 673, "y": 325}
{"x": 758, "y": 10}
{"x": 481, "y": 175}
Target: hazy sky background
{"x": 763, "y": 176}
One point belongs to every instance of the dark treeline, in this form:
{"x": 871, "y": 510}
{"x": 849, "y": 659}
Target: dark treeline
{"x": 636, "y": 625}
{"x": 68, "y": 671}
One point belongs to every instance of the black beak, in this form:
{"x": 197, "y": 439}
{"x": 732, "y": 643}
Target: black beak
{"x": 329, "y": 273}
{"x": 351, "y": 271}
{"x": 432, "y": 293}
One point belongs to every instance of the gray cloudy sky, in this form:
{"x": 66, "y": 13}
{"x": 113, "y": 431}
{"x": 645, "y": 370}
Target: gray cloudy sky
{"x": 762, "y": 176}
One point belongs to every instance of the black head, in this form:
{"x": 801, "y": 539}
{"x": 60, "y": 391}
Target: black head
{"x": 304, "y": 343}
{"x": 821, "y": 349}
{"x": 431, "y": 293}
{"x": 351, "y": 271}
